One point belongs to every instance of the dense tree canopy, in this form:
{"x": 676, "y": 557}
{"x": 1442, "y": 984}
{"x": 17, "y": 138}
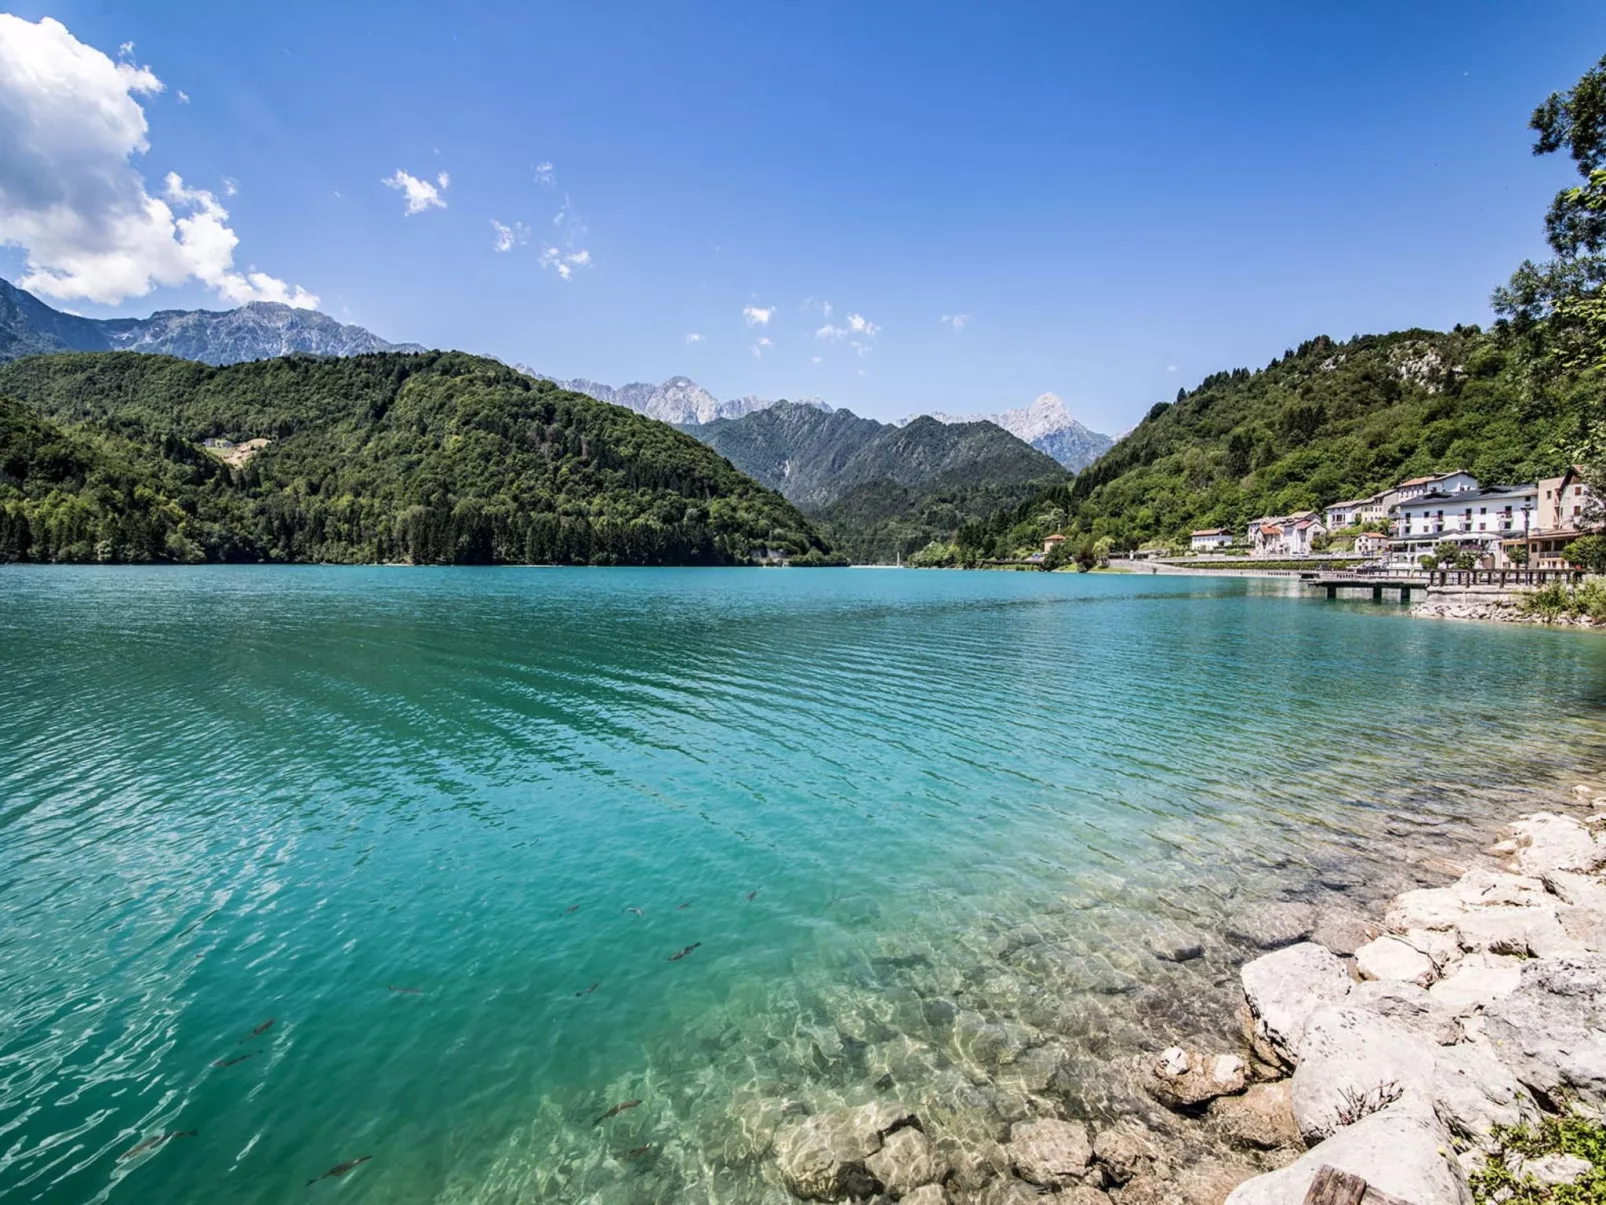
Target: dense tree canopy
{"x": 433, "y": 458}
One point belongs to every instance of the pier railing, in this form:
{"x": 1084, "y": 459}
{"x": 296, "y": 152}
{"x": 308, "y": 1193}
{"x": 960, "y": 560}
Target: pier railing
{"x": 1503, "y": 577}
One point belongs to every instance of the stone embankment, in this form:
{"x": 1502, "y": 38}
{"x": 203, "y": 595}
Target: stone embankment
{"x": 1388, "y": 1049}
{"x": 1486, "y": 603}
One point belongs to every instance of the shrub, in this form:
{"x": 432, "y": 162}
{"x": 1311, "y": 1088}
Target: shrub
{"x": 1566, "y": 1134}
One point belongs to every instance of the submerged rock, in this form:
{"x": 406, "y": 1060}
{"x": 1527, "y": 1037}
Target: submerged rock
{"x": 1343, "y": 931}
{"x": 1261, "y": 1119}
{"x": 1125, "y": 1151}
{"x": 1050, "y": 1153}
{"x": 1271, "y": 926}
{"x": 823, "y": 1158}
{"x": 907, "y": 1159}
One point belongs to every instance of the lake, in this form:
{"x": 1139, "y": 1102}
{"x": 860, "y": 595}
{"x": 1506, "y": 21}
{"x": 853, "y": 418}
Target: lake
{"x": 910, "y": 834}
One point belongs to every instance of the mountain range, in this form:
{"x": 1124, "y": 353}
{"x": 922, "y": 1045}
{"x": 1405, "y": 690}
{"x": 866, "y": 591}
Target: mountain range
{"x": 260, "y": 330}
{"x": 882, "y": 490}
{"x": 679, "y": 400}
{"x": 1048, "y": 426}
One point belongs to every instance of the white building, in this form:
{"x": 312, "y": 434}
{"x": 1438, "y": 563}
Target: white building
{"x": 1343, "y": 514}
{"x": 1441, "y": 483}
{"x": 1371, "y": 543}
{"x": 1285, "y": 535}
{"x": 1209, "y": 539}
{"x": 1475, "y": 520}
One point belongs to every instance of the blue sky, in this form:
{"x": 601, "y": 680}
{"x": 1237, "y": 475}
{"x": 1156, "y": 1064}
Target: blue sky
{"x": 1118, "y": 202}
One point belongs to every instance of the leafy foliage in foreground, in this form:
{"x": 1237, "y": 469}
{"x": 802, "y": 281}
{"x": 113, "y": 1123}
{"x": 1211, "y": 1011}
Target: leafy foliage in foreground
{"x": 1565, "y": 1134}
{"x": 432, "y": 458}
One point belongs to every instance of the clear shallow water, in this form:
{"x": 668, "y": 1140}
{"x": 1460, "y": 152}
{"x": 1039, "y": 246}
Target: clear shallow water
{"x": 963, "y": 800}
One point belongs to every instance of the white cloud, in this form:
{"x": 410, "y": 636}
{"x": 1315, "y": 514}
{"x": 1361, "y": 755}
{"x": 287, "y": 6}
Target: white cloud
{"x": 957, "y": 321}
{"x": 860, "y": 346}
{"x": 421, "y": 194}
{"x": 860, "y": 325}
{"x": 72, "y": 200}
{"x": 758, "y": 348}
{"x": 831, "y": 333}
{"x": 126, "y": 50}
{"x": 232, "y": 186}
{"x": 757, "y": 315}
{"x": 816, "y": 360}
{"x": 694, "y": 337}
{"x": 564, "y": 261}
{"x": 1171, "y": 368}
{"x": 508, "y": 237}
{"x": 543, "y": 172}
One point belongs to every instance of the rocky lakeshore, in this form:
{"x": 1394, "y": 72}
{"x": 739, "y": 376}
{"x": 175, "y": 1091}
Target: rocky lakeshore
{"x": 1491, "y": 605}
{"x": 1389, "y": 1048}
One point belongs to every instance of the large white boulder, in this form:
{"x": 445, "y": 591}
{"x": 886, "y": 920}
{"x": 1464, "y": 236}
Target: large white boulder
{"x": 1546, "y": 842}
{"x": 1353, "y": 1062}
{"x": 1476, "y": 982}
{"x": 1389, "y": 957}
{"x": 1551, "y": 1031}
{"x": 1284, "y": 988}
{"x": 1402, "y": 1151}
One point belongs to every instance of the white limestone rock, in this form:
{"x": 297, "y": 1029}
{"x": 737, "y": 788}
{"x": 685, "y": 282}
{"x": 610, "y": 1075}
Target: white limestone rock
{"x": 1476, "y": 982}
{"x": 1402, "y": 1151}
{"x": 1551, "y": 1031}
{"x": 1410, "y": 1006}
{"x": 1284, "y": 988}
{"x": 1389, "y": 957}
{"x": 1353, "y": 1062}
{"x": 1555, "y": 1170}
{"x": 1548, "y": 842}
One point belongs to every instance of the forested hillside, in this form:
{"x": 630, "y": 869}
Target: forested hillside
{"x": 881, "y": 490}
{"x": 1325, "y": 422}
{"x": 432, "y": 458}
{"x": 1331, "y": 421}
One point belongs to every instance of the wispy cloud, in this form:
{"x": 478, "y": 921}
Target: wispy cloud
{"x": 757, "y": 315}
{"x": 543, "y": 172}
{"x": 694, "y": 337}
{"x": 831, "y": 333}
{"x": 183, "y": 97}
{"x": 508, "y": 237}
{"x": 860, "y": 325}
{"x": 571, "y": 255}
{"x": 564, "y": 261}
{"x": 232, "y": 186}
{"x": 957, "y": 321}
{"x": 1171, "y": 368}
{"x": 759, "y": 348}
{"x": 421, "y": 194}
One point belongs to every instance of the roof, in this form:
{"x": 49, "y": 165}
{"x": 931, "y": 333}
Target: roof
{"x": 1467, "y": 497}
{"x": 1211, "y": 531}
{"x": 1052, "y": 538}
{"x": 1271, "y": 529}
{"x": 1434, "y": 477}
{"x": 1347, "y": 502}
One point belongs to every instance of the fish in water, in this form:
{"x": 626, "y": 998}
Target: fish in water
{"x": 340, "y": 1170}
{"x": 639, "y": 1151}
{"x": 150, "y": 1144}
{"x": 682, "y": 907}
{"x": 686, "y": 951}
{"x": 589, "y": 990}
{"x": 571, "y": 908}
{"x": 616, "y": 1110}
{"x": 752, "y": 895}
{"x": 404, "y": 991}
{"x": 637, "y": 911}
{"x": 260, "y": 1029}
{"x": 239, "y": 1058}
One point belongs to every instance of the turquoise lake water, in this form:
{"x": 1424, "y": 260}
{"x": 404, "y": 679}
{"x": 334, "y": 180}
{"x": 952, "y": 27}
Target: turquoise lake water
{"x": 914, "y": 828}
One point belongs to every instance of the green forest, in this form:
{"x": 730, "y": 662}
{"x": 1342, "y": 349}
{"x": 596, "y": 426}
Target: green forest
{"x": 1331, "y": 420}
{"x": 431, "y": 458}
